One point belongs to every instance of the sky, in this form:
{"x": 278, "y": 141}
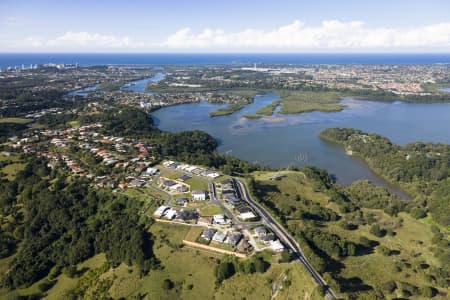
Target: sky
{"x": 230, "y": 26}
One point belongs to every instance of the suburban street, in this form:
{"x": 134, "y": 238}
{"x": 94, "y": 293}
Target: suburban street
{"x": 213, "y": 200}
{"x": 266, "y": 219}
{"x": 283, "y": 235}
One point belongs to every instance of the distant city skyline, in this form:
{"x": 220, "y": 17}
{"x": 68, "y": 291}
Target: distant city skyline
{"x": 225, "y": 26}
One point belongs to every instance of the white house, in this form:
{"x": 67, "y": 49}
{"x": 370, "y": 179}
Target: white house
{"x": 213, "y": 175}
{"x": 219, "y": 219}
{"x": 170, "y": 214}
{"x": 151, "y": 171}
{"x": 160, "y": 211}
{"x": 247, "y": 216}
{"x": 198, "y": 195}
{"x": 276, "y": 246}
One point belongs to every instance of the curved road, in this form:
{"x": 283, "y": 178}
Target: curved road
{"x": 284, "y": 236}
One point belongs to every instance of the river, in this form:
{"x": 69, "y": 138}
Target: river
{"x": 292, "y": 140}
{"x": 281, "y": 141}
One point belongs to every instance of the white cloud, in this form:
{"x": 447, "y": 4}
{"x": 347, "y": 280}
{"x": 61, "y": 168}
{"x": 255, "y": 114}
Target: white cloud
{"x": 329, "y": 35}
{"x": 73, "y": 41}
{"x": 89, "y": 40}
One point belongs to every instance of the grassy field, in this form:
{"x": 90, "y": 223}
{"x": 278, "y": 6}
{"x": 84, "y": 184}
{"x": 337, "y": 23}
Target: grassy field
{"x": 288, "y": 185}
{"x": 197, "y": 184}
{"x": 187, "y": 267}
{"x": 12, "y": 169}
{"x": 15, "y": 120}
{"x": 152, "y": 87}
{"x": 65, "y": 284}
{"x": 190, "y": 270}
{"x": 411, "y": 260}
{"x": 194, "y": 233}
{"x": 245, "y": 92}
{"x": 434, "y": 87}
{"x": 145, "y": 194}
{"x": 264, "y": 111}
{"x": 253, "y": 116}
{"x": 125, "y": 281}
{"x": 183, "y": 266}
{"x": 73, "y": 123}
{"x": 231, "y": 108}
{"x": 268, "y": 110}
{"x": 259, "y": 286}
{"x": 294, "y": 102}
{"x": 14, "y": 165}
{"x": 210, "y": 210}
{"x": 221, "y": 178}
{"x": 169, "y": 173}
{"x": 110, "y": 86}
{"x": 151, "y": 197}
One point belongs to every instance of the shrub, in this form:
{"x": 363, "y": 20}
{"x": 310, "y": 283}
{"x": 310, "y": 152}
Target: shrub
{"x": 377, "y": 231}
{"x": 427, "y": 291}
{"x": 261, "y": 265}
{"x": 71, "y": 271}
{"x": 286, "y": 257}
{"x": 389, "y": 286}
{"x": 384, "y": 250}
{"x": 167, "y": 284}
{"x": 223, "y": 271}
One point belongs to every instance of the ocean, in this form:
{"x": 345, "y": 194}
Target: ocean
{"x": 89, "y": 59}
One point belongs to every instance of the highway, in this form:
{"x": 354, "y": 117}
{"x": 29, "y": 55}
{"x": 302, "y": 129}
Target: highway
{"x": 283, "y": 235}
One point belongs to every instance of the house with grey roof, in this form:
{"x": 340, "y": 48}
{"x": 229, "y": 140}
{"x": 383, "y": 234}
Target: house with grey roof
{"x": 208, "y": 234}
{"x": 219, "y": 236}
{"x": 233, "y": 239}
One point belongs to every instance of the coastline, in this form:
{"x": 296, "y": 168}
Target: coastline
{"x": 405, "y": 192}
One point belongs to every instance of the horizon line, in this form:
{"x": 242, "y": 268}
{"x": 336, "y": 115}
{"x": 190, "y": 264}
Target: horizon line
{"x": 237, "y": 53}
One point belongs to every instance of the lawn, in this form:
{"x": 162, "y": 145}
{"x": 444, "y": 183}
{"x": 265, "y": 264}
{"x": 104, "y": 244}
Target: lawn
{"x": 210, "y": 210}
{"x": 151, "y": 197}
{"x": 194, "y": 233}
{"x": 221, "y": 178}
{"x": 170, "y": 174}
{"x": 197, "y": 184}
{"x": 145, "y": 194}
{"x": 15, "y": 120}
{"x": 73, "y": 123}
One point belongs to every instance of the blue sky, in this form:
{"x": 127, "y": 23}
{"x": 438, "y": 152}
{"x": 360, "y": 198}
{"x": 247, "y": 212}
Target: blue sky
{"x": 224, "y": 26}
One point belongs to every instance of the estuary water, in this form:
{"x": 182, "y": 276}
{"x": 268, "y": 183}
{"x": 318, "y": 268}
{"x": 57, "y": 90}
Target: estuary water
{"x": 88, "y": 59}
{"x": 281, "y": 141}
